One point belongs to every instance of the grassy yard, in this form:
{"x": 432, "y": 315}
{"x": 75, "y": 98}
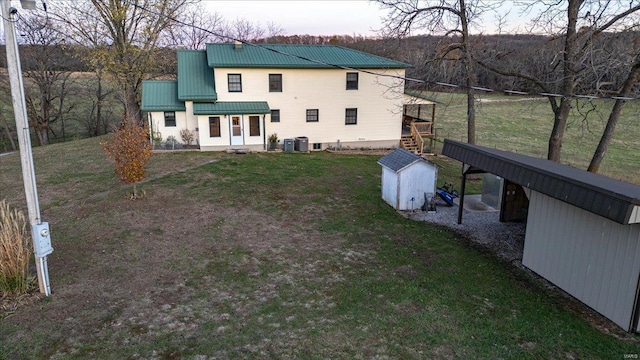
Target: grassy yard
{"x": 270, "y": 256}
{"x": 523, "y": 125}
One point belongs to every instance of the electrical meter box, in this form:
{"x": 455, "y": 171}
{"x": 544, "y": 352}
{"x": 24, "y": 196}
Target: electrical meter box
{"x": 41, "y": 239}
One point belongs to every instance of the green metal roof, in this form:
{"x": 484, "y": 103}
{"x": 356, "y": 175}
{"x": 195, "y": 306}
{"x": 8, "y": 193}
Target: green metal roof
{"x": 195, "y": 77}
{"x": 231, "y": 108}
{"x": 295, "y": 56}
{"x": 161, "y": 95}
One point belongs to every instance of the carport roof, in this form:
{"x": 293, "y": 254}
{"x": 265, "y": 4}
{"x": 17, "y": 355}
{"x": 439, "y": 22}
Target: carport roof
{"x": 615, "y": 200}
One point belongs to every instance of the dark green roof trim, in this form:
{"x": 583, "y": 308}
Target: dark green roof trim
{"x": 161, "y": 95}
{"x": 595, "y": 193}
{"x": 295, "y": 57}
{"x": 231, "y": 108}
{"x": 419, "y": 95}
{"x": 195, "y": 77}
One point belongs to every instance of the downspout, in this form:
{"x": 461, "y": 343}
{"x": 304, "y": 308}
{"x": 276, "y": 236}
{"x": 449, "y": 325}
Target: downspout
{"x": 150, "y": 127}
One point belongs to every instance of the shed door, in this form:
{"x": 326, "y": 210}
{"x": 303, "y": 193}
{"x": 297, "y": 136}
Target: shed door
{"x": 235, "y": 124}
{"x": 515, "y": 203}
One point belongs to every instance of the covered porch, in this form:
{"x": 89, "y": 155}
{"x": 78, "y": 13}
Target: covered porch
{"x": 232, "y": 124}
{"x": 418, "y": 119}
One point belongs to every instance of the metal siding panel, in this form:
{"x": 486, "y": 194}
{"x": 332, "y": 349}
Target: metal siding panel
{"x": 593, "y": 259}
{"x": 635, "y": 215}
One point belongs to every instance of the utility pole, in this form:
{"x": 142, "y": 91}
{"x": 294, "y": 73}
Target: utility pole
{"x": 39, "y": 230}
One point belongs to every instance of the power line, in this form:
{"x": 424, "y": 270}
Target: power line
{"x": 404, "y": 78}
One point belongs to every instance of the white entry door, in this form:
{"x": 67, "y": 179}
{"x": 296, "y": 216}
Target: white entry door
{"x": 235, "y": 124}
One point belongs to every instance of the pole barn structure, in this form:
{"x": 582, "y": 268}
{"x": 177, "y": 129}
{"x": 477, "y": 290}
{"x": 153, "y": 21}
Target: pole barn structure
{"x": 583, "y": 229}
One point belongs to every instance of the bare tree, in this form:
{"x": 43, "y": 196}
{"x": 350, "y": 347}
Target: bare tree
{"x": 207, "y": 27}
{"x": 577, "y": 29}
{"x": 607, "y": 135}
{"x": 48, "y": 79}
{"x": 124, "y": 35}
{"x": 454, "y": 19}
{"x": 245, "y": 30}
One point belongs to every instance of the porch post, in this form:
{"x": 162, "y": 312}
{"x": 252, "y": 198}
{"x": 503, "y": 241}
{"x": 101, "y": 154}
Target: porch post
{"x": 264, "y": 132}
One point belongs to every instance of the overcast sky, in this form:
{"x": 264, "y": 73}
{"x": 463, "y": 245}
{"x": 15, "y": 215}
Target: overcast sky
{"x": 325, "y": 17}
{"x": 319, "y": 17}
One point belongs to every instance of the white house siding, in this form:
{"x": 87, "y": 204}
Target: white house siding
{"x": 592, "y": 258}
{"x": 378, "y": 100}
{"x": 191, "y": 121}
{"x": 222, "y": 142}
{"x": 389, "y": 187}
{"x": 157, "y": 121}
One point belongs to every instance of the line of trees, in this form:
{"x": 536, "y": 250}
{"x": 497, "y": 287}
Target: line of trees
{"x": 579, "y": 47}
{"x": 590, "y": 46}
{"x": 84, "y": 61}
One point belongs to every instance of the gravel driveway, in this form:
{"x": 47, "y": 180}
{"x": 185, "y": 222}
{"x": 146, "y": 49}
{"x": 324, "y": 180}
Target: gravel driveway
{"x": 479, "y": 223}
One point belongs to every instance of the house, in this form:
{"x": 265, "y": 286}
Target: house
{"x": 583, "y": 229}
{"x": 236, "y": 95}
{"x": 408, "y": 180}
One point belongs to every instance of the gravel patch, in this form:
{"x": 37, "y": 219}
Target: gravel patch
{"x": 480, "y": 223}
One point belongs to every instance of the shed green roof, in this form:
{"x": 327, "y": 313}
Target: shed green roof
{"x": 195, "y": 77}
{"x": 231, "y": 108}
{"x": 161, "y": 95}
{"x": 295, "y": 56}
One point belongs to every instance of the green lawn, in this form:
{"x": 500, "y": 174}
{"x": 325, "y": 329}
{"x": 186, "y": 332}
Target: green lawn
{"x": 271, "y": 255}
{"x": 523, "y": 125}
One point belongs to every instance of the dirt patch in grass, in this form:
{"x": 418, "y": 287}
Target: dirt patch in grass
{"x": 270, "y": 255}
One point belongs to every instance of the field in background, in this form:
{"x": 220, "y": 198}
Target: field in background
{"x": 523, "y": 125}
{"x": 271, "y": 256}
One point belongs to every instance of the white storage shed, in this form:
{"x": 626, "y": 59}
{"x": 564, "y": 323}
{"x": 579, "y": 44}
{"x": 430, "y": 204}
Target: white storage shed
{"x": 407, "y": 179}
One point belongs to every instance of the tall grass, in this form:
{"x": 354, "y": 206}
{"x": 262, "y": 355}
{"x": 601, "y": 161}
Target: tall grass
{"x": 15, "y": 250}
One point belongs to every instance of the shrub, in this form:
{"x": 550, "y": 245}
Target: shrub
{"x": 187, "y": 136}
{"x": 131, "y": 150}
{"x": 15, "y": 250}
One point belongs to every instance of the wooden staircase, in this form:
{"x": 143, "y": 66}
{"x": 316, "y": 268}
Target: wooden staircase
{"x": 414, "y": 142}
{"x": 408, "y": 143}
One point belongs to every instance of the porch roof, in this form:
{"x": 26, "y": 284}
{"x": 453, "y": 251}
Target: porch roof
{"x": 161, "y": 95}
{"x": 416, "y": 97}
{"x": 231, "y": 108}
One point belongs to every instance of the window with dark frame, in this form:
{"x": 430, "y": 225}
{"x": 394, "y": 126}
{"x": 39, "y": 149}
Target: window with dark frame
{"x": 235, "y": 82}
{"x": 254, "y": 125}
{"x": 275, "y": 82}
{"x": 169, "y": 118}
{"x": 352, "y": 81}
{"x": 214, "y": 126}
{"x": 312, "y": 115}
{"x": 351, "y": 116}
{"x": 275, "y": 115}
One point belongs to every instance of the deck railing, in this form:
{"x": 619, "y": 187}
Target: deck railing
{"x": 415, "y": 133}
